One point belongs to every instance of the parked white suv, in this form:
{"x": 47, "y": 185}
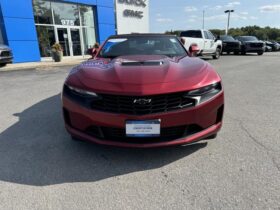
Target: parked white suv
{"x": 205, "y": 40}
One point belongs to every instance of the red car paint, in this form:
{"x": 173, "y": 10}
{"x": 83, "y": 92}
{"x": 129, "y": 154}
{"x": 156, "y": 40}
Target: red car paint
{"x": 109, "y": 76}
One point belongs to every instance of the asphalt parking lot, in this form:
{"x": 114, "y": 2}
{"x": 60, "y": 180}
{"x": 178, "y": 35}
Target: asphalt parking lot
{"x": 41, "y": 168}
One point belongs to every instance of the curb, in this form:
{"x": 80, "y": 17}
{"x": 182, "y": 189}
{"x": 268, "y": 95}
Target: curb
{"x": 39, "y": 65}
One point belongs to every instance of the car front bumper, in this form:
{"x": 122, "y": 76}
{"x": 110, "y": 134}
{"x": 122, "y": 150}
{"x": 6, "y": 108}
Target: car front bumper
{"x": 6, "y": 60}
{"x": 207, "y": 117}
{"x": 254, "y": 49}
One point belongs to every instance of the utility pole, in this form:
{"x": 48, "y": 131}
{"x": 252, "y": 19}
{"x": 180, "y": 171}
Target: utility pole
{"x": 228, "y": 11}
{"x": 203, "y": 19}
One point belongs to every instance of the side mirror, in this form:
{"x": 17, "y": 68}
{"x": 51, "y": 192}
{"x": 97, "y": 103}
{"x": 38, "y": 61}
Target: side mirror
{"x": 194, "y": 50}
{"x": 183, "y": 41}
{"x": 89, "y": 51}
{"x": 217, "y": 38}
{"x": 94, "y": 53}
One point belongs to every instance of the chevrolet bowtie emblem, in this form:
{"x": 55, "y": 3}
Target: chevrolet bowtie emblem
{"x": 142, "y": 101}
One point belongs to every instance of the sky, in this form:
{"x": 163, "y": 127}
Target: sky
{"x": 187, "y": 14}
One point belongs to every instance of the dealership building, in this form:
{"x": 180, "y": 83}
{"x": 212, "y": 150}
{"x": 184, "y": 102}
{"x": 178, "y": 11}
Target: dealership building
{"x": 31, "y": 27}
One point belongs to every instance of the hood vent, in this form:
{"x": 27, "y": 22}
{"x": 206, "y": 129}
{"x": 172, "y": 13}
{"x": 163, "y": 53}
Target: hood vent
{"x": 142, "y": 63}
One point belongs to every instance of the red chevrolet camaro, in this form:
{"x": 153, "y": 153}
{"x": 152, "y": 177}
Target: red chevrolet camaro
{"x": 143, "y": 90}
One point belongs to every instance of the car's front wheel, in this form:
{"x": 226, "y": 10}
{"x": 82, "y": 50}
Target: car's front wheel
{"x": 2, "y": 64}
{"x": 75, "y": 138}
{"x": 217, "y": 53}
{"x": 260, "y": 53}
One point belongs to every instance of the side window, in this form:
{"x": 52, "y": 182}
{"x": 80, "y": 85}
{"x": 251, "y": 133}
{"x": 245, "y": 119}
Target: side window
{"x": 210, "y": 35}
{"x": 206, "y": 35}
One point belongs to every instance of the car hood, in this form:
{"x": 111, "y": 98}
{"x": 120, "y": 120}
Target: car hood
{"x": 253, "y": 42}
{"x": 234, "y": 41}
{"x": 137, "y": 73}
{"x": 2, "y": 46}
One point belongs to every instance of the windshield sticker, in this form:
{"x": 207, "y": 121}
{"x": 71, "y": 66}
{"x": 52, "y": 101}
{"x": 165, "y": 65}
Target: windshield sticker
{"x": 116, "y": 40}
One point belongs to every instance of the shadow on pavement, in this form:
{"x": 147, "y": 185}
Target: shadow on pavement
{"x": 38, "y": 151}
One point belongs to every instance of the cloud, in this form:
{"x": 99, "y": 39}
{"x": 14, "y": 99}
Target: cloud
{"x": 191, "y": 20}
{"x": 158, "y": 15}
{"x": 234, "y": 16}
{"x": 243, "y": 13}
{"x": 233, "y": 4}
{"x": 253, "y": 18}
{"x": 164, "y": 20}
{"x": 270, "y": 8}
{"x": 190, "y": 9}
{"x": 217, "y": 7}
{"x": 215, "y": 17}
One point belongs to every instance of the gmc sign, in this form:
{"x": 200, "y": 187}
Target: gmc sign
{"x": 138, "y": 3}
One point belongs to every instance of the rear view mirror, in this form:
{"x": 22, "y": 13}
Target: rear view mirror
{"x": 194, "y": 50}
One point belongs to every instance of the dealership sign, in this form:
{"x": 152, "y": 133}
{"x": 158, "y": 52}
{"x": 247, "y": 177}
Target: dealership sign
{"x": 139, "y": 3}
{"x": 133, "y": 13}
{"x": 132, "y": 16}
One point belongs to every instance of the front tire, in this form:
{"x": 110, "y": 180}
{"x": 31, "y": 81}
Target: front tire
{"x": 3, "y": 64}
{"x": 73, "y": 138}
{"x": 260, "y": 53}
{"x": 217, "y": 54}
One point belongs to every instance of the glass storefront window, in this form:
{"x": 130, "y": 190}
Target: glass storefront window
{"x": 1, "y": 36}
{"x": 89, "y": 37}
{"x": 46, "y": 38}
{"x": 86, "y": 16}
{"x": 42, "y": 12}
{"x": 66, "y": 14}
{"x": 72, "y": 25}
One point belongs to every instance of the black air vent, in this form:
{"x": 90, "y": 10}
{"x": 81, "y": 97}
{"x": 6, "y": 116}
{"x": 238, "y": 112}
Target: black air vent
{"x": 142, "y": 63}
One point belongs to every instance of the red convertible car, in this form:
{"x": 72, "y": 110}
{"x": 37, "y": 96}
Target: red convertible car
{"x": 143, "y": 90}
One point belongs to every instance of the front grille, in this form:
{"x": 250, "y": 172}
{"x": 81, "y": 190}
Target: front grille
{"x": 232, "y": 44}
{"x": 132, "y": 105}
{"x": 136, "y": 105}
{"x": 5, "y": 53}
{"x": 256, "y": 45}
{"x": 119, "y": 134}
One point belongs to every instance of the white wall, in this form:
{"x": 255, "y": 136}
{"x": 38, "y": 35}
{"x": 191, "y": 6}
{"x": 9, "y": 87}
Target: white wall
{"x": 126, "y": 22}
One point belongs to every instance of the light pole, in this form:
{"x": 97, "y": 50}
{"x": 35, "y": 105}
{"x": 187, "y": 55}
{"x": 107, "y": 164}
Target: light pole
{"x": 203, "y": 19}
{"x": 228, "y": 11}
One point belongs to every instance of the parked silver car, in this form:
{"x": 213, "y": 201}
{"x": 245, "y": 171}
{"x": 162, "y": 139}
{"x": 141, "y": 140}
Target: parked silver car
{"x": 6, "y": 55}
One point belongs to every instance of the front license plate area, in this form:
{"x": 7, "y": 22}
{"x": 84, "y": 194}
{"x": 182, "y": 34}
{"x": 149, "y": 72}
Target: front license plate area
{"x": 143, "y": 129}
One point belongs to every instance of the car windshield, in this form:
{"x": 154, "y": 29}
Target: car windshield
{"x": 191, "y": 33}
{"x": 247, "y": 38}
{"x": 227, "y": 38}
{"x": 142, "y": 45}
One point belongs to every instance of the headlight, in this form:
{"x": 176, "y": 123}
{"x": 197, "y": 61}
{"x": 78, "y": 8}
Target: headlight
{"x": 205, "y": 93}
{"x": 81, "y": 92}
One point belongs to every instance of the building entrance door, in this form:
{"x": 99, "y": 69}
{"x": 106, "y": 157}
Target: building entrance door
{"x": 70, "y": 40}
